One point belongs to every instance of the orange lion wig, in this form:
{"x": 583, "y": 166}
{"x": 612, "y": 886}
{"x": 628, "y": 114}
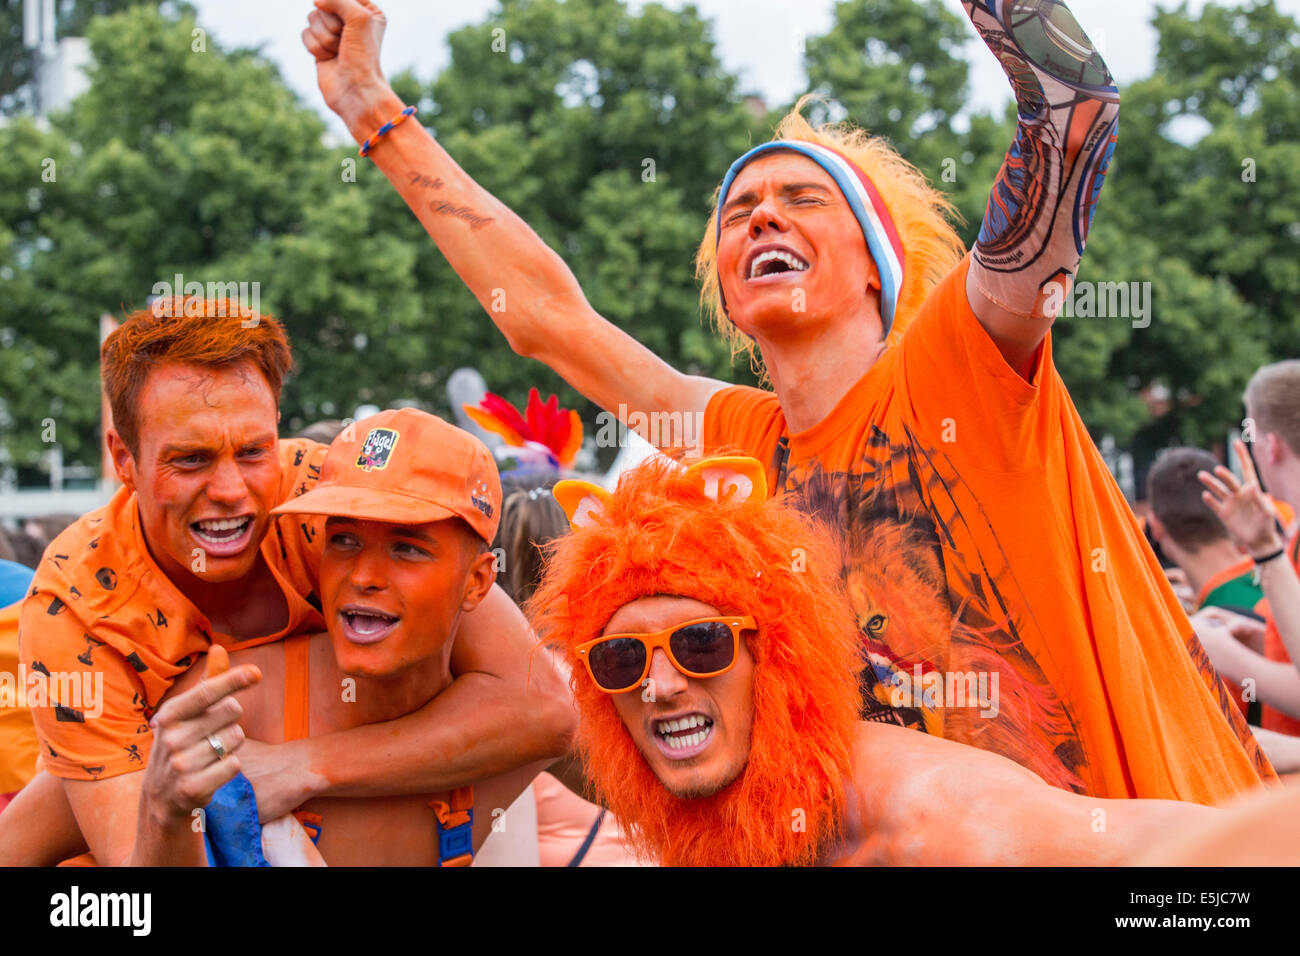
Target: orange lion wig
{"x": 661, "y": 532}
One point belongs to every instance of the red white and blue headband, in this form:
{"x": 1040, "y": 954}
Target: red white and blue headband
{"x": 878, "y": 228}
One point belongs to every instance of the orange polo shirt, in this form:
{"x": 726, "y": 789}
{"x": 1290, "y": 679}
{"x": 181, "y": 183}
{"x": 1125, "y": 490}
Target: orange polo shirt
{"x": 18, "y": 747}
{"x": 984, "y": 538}
{"x": 104, "y": 632}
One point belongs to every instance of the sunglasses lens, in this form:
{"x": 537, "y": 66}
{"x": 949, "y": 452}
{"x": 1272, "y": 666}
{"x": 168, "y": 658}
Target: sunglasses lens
{"x": 617, "y": 664}
{"x": 703, "y": 648}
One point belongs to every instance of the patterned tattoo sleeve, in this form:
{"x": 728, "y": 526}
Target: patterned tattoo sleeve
{"x": 1044, "y": 196}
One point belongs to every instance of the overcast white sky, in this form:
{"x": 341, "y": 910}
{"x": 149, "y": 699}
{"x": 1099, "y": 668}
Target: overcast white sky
{"x": 757, "y": 38}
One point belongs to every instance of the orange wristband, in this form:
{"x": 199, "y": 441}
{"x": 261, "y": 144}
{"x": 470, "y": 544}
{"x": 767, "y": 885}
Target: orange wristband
{"x": 397, "y": 120}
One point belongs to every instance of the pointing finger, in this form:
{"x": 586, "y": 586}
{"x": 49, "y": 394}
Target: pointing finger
{"x": 194, "y": 702}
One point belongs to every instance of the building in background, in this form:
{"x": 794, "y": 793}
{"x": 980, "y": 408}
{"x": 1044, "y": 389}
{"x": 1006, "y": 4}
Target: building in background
{"x": 60, "y": 74}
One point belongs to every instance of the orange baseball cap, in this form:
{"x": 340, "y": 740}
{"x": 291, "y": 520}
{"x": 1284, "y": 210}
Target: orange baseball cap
{"x": 406, "y": 466}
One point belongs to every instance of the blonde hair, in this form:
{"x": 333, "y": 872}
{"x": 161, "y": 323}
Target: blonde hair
{"x": 931, "y": 246}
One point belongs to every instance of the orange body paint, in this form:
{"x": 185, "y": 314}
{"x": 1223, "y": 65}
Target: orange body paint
{"x": 393, "y": 594}
{"x": 787, "y": 204}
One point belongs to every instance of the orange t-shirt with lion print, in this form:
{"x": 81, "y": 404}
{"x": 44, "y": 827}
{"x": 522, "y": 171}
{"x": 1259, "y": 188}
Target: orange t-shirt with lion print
{"x": 1003, "y": 589}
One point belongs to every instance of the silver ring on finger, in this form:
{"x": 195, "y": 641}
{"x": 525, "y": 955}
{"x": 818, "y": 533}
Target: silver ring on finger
{"x": 215, "y": 743}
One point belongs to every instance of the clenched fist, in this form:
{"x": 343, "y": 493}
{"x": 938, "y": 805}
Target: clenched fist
{"x": 344, "y": 36}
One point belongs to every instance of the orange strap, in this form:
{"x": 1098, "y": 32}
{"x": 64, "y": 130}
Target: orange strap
{"x": 453, "y": 812}
{"x": 311, "y": 822}
{"x": 297, "y": 686}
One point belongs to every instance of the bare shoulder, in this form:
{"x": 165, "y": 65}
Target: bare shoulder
{"x": 910, "y": 762}
{"x": 905, "y": 784}
{"x": 925, "y": 800}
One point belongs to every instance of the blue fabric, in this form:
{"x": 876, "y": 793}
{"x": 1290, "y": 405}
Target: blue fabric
{"x": 231, "y": 833}
{"x": 15, "y": 580}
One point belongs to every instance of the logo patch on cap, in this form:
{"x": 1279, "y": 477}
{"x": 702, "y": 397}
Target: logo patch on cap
{"x": 481, "y": 498}
{"x": 377, "y": 448}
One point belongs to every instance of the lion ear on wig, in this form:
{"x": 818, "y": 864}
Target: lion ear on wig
{"x": 581, "y": 500}
{"x": 723, "y": 477}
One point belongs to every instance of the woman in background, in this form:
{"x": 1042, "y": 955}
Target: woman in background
{"x": 570, "y": 830}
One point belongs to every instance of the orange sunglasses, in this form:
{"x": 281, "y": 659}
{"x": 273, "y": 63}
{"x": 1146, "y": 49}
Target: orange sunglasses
{"x": 702, "y": 648}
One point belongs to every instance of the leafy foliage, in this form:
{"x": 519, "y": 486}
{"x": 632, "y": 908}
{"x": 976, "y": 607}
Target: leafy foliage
{"x": 607, "y": 130}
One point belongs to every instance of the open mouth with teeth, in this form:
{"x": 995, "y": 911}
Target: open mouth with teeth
{"x": 366, "y": 625}
{"x": 222, "y": 536}
{"x": 774, "y": 262}
{"x": 684, "y": 736}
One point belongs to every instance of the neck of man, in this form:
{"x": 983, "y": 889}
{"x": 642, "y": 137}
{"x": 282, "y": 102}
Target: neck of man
{"x": 814, "y": 365}
{"x": 1286, "y": 487}
{"x": 244, "y": 608}
{"x": 380, "y": 699}
{"x": 1202, "y": 564}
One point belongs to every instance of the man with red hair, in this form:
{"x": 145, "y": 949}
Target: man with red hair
{"x": 915, "y": 403}
{"x": 714, "y": 654}
{"x": 187, "y": 554}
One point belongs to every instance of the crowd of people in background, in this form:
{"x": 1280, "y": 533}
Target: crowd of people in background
{"x": 1231, "y": 548}
{"x": 1213, "y": 572}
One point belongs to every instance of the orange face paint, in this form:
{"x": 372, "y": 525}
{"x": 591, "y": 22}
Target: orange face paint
{"x": 661, "y": 534}
{"x": 694, "y": 733}
{"x": 207, "y": 472}
{"x": 790, "y": 248}
{"x": 393, "y": 594}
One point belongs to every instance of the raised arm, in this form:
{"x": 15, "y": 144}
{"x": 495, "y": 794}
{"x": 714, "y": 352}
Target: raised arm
{"x": 1256, "y": 530}
{"x": 524, "y": 286}
{"x": 1041, "y": 206}
{"x": 1222, "y": 633}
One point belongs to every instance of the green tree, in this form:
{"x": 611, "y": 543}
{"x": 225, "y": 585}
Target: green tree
{"x": 893, "y": 67}
{"x": 174, "y": 160}
{"x": 606, "y": 130}
{"x": 897, "y": 69}
{"x": 1203, "y": 203}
